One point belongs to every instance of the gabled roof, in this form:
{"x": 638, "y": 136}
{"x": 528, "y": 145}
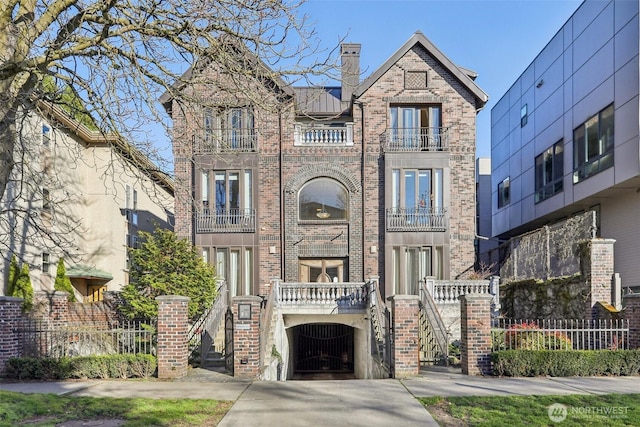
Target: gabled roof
{"x": 230, "y": 45}
{"x": 464, "y": 76}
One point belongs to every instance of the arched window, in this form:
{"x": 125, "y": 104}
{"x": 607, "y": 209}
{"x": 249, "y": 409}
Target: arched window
{"x": 323, "y": 199}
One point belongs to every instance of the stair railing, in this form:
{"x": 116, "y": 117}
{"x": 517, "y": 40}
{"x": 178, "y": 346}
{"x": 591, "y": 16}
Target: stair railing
{"x": 203, "y": 331}
{"x": 265, "y": 320}
{"x": 434, "y": 337}
{"x": 380, "y": 326}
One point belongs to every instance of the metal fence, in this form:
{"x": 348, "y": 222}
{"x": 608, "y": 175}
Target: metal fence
{"x": 42, "y": 338}
{"x": 550, "y": 334}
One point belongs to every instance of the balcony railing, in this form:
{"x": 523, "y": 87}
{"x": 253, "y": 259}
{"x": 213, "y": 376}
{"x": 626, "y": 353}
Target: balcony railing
{"x": 226, "y": 221}
{"x": 342, "y": 294}
{"x": 416, "y": 139}
{"x": 416, "y": 219}
{"x": 227, "y": 141}
{"x": 324, "y": 135}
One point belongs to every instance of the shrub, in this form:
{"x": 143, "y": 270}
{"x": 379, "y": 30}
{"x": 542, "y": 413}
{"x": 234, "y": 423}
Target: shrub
{"x": 19, "y": 284}
{"x": 85, "y": 367}
{"x": 528, "y": 336}
{"x": 62, "y": 282}
{"x": 529, "y": 363}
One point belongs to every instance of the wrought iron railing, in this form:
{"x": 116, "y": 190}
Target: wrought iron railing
{"x": 560, "y": 334}
{"x": 227, "y": 141}
{"x": 226, "y": 221}
{"x": 416, "y": 139}
{"x": 433, "y": 334}
{"x": 380, "y": 326}
{"x": 203, "y": 331}
{"x": 265, "y": 324}
{"x": 42, "y": 338}
{"x": 416, "y": 219}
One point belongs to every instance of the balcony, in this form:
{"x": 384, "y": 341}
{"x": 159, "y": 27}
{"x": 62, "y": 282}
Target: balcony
{"x": 226, "y": 221}
{"x": 227, "y": 141}
{"x": 415, "y": 139}
{"x": 324, "y": 135}
{"x": 416, "y": 219}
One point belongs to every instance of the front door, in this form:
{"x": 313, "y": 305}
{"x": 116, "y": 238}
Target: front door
{"x": 323, "y": 270}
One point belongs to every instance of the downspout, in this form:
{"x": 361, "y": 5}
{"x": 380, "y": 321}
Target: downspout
{"x": 281, "y": 158}
{"x": 363, "y": 174}
{"x": 193, "y": 190}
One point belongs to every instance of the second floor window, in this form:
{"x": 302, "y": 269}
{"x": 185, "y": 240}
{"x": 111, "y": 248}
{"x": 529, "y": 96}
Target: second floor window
{"x": 417, "y": 189}
{"x": 416, "y": 128}
{"x": 593, "y": 145}
{"x": 549, "y": 172}
{"x": 323, "y": 199}
{"x": 230, "y": 191}
{"x": 229, "y": 129}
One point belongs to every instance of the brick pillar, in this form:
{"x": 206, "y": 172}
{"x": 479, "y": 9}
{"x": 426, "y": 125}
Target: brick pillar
{"x": 173, "y": 329}
{"x": 405, "y": 311}
{"x": 597, "y": 268}
{"x": 632, "y": 314}
{"x": 10, "y": 315}
{"x": 475, "y": 334}
{"x": 58, "y": 306}
{"x": 246, "y": 336}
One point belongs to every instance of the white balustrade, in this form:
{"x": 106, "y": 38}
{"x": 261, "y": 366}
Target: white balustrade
{"x": 449, "y": 292}
{"x": 342, "y": 294}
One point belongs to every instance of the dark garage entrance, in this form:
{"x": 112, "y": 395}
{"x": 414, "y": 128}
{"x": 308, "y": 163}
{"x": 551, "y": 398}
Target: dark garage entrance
{"x": 323, "y": 350}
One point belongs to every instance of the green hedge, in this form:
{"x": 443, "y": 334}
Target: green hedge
{"x": 106, "y": 366}
{"x": 531, "y": 363}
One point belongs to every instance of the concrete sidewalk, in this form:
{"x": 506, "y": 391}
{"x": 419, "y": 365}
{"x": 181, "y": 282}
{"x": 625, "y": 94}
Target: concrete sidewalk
{"x": 331, "y": 402}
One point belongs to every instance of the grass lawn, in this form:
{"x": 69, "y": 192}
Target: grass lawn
{"x": 512, "y": 411}
{"x": 48, "y": 410}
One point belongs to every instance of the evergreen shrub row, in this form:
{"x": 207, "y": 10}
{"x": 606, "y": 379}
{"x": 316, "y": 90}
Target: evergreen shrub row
{"x": 85, "y": 367}
{"x": 559, "y": 363}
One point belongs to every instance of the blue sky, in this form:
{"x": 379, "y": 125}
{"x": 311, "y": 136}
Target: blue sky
{"x": 497, "y": 39}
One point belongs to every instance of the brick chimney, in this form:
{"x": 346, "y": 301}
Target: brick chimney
{"x": 350, "y": 55}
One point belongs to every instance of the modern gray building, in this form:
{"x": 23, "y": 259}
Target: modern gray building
{"x": 564, "y": 138}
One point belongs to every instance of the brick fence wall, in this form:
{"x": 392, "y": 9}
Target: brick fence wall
{"x": 173, "y": 329}
{"x": 246, "y": 336}
{"x": 10, "y": 316}
{"x": 405, "y": 311}
{"x": 475, "y": 334}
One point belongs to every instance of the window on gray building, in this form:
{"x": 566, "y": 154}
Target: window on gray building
{"x": 549, "y": 172}
{"x": 504, "y": 196}
{"x": 524, "y": 115}
{"x": 593, "y": 145}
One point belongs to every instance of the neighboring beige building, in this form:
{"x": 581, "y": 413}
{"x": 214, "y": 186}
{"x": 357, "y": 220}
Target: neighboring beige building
{"x": 82, "y": 196}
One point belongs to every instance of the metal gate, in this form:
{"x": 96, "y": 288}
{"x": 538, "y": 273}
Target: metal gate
{"x": 323, "y": 348}
{"x": 228, "y": 341}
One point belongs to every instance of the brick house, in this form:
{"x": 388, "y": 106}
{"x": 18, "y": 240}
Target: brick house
{"x": 330, "y": 184}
